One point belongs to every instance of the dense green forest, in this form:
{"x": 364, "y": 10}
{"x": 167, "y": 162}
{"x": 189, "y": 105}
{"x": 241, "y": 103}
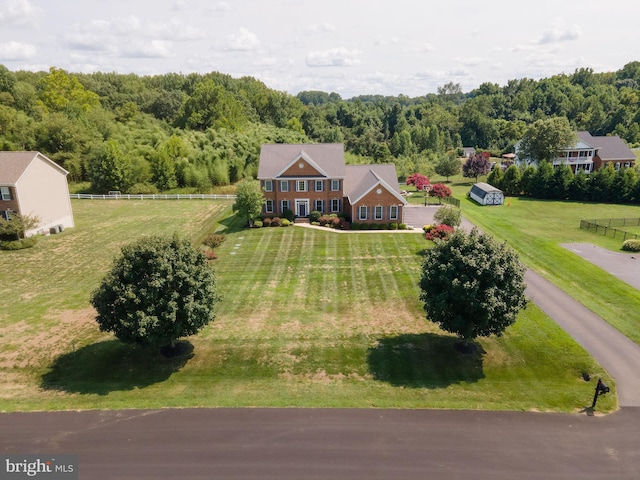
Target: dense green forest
{"x": 142, "y": 134}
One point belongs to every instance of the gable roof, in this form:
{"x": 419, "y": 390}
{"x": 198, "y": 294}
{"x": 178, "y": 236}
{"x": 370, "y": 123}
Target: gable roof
{"x": 481, "y": 189}
{"x": 610, "y": 147}
{"x": 327, "y": 158}
{"x": 361, "y": 179}
{"x": 14, "y": 164}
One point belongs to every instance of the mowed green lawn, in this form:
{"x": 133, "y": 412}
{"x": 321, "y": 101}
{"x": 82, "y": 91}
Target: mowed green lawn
{"x": 308, "y": 318}
{"x": 538, "y": 228}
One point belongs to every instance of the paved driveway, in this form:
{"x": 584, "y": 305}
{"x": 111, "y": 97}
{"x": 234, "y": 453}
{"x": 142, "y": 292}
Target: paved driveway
{"x": 614, "y": 351}
{"x": 625, "y": 266}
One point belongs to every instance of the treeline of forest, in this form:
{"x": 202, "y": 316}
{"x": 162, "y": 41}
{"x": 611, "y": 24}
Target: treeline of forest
{"x": 140, "y": 134}
{"x": 560, "y": 183}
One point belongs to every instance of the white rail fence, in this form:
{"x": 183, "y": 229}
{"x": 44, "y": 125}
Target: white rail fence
{"x": 181, "y": 196}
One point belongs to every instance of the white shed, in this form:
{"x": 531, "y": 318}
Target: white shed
{"x": 486, "y": 194}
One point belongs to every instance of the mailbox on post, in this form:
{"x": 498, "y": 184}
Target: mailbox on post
{"x": 601, "y": 389}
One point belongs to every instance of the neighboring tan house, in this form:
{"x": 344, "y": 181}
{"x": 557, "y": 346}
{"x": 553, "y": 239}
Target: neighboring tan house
{"x": 593, "y": 153}
{"x": 307, "y": 177}
{"x": 32, "y": 184}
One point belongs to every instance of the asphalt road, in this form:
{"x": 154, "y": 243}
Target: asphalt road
{"x": 355, "y": 444}
{"x": 332, "y": 444}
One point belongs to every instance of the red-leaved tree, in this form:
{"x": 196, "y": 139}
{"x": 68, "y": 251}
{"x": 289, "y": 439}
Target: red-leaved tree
{"x": 440, "y": 190}
{"x": 418, "y": 180}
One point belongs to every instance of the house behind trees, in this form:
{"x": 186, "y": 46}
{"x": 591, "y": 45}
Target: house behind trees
{"x": 591, "y": 153}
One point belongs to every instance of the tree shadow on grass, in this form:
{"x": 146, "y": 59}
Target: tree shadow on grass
{"x": 232, "y": 224}
{"x": 424, "y": 361}
{"x": 111, "y": 365}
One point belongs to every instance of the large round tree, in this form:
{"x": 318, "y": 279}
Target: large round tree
{"x": 472, "y": 285}
{"x": 159, "y": 289}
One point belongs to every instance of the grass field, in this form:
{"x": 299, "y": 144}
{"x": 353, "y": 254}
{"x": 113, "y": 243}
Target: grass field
{"x": 308, "y": 318}
{"x": 537, "y": 228}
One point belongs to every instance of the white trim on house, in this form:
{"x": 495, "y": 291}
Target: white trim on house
{"x": 384, "y": 184}
{"x": 302, "y": 156}
{"x": 267, "y": 208}
{"x": 302, "y": 203}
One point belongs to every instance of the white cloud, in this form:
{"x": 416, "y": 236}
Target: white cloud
{"x": 322, "y": 28}
{"x": 218, "y": 7}
{"x": 179, "y": 5}
{"x": 153, "y": 49}
{"x": 266, "y": 62}
{"x": 472, "y": 61}
{"x": 430, "y": 75}
{"x": 18, "y": 12}
{"x": 385, "y": 42}
{"x": 12, "y": 51}
{"x": 422, "y": 48}
{"x": 175, "y": 31}
{"x": 560, "y": 33}
{"x": 85, "y": 41}
{"x": 244, "y": 40}
{"x": 335, "y": 57}
{"x": 126, "y": 25}
{"x": 458, "y": 72}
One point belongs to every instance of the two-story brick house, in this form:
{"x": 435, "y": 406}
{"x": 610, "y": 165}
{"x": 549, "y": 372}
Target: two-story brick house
{"x": 306, "y": 177}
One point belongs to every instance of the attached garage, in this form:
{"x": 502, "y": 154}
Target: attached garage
{"x": 486, "y": 194}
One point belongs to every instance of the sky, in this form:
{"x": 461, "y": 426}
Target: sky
{"x": 351, "y": 47}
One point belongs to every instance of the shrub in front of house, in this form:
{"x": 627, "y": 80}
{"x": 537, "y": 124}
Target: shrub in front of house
{"x": 335, "y": 222}
{"x": 18, "y": 244}
{"x": 324, "y": 220}
{"x": 393, "y": 226}
{"x": 631, "y": 245}
{"x": 267, "y": 222}
{"x": 314, "y": 216}
{"x": 402, "y": 226}
{"x": 276, "y": 222}
{"x": 344, "y": 224}
{"x": 285, "y": 222}
{"x": 440, "y": 232}
{"x": 257, "y": 224}
{"x": 288, "y": 214}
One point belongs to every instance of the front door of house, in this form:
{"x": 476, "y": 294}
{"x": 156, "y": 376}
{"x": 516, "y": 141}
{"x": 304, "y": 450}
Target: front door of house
{"x": 302, "y": 208}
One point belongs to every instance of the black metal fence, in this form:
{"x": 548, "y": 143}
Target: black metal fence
{"x": 611, "y": 227}
{"x": 451, "y": 201}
